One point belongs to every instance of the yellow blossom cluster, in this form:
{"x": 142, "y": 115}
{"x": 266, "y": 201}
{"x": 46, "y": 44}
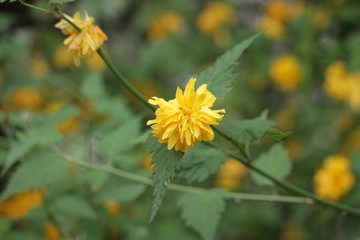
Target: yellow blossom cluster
{"x": 277, "y": 13}
{"x": 334, "y": 179}
{"x": 230, "y": 174}
{"x": 164, "y": 25}
{"x": 19, "y": 205}
{"x": 341, "y": 85}
{"x": 185, "y": 120}
{"x": 26, "y": 98}
{"x": 81, "y": 43}
{"x": 285, "y": 72}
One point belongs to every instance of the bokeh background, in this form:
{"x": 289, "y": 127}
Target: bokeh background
{"x": 305, "y": 69}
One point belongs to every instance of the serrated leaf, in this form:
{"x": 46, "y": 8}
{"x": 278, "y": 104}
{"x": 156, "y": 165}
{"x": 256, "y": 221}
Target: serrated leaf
{"x": 250, "y": 131}
{"x": 61, "y": 1}
{"x": 220, "y": 76}
{"x": 119, "y": 140}
{"x": 166, "y": 162}
{"x": 37, "y": 170}
{"x": 275, "y": 162}
{"x": 198, "y": 163}
{"x": 120, "y": 192}
{"x": 73, "y": 206}
{"x": 202, "y": 211}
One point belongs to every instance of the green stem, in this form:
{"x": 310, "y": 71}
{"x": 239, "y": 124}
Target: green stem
{"x": 178, "y": 187}
{"x": 35, "y": 7}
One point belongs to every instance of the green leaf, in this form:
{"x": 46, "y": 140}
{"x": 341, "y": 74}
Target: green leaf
{"x": 275, "y": 162}
{"x": 166, "y": 162}
{"x": 251, "y": 130}
{"x": 18, "y": 149}
{"x": 37, "y": 170}
{"x": 202, "y": 211}
{"x": 94, "y": 178}
{"x": 121, "y": 192}
{"x": 5, "y": 225}
{"x": 199, "y": 162}
{"x": 45, "y": 135}
{"x": 220, "y": 76}
{"x": 61, "y": 1}
{"x": 119, "y": 140}
{"x": 92, "y": 87}
{"x": 278, "y": 135}
{"x": 73, "y": 206}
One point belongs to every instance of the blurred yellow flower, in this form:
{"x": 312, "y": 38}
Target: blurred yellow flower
{"x": 354, "y": 91}
{"x": 230, "y": 174}
{"x": 336, "y": 81}
{"x": 95, "y": 62}
{"x": 61, "y": 57}
{"x": 19, "y": 205}
{"x": 113, "y": 208}
{"x": 39, "y": 67}
{"x": 275, "y": 28}
{"x": 146, "y": 163}
{"x": 84, "y": 43}
{"x": 164, "y": 25}
{"x": 185, "y": 120}
{"x": 278, "y": 9}
{"x": 321, "y": 18}
{"x": 214, "y": 16}
{"x": 23, "y": 99}
{"x": 66, "y": 126}
{"x": 334, "y": 179}
{"x": 285, "y": 72}
{"x": 51, "y": 232}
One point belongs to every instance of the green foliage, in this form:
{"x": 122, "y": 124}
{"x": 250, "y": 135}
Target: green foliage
{"x": 38, "y": 170}
{"x": 220, "y": 76}
{"x": 200, "y": 162}
{"x": 119, "y": 140}
{"x": 92, "y": 87}
{"x": 5, "y": 225}
{"x": 252, "y": 130}
{"x": 18, "y": 149}
{"x": 120, "y": 191}
{"x": 275, "y": 162}
{"x": 278, "y": 135}
{"x": 202, "y": 211}
{"x": 61, "y": 1}
{"x": 73, "y": 206}
{"x": 166, "y": 162}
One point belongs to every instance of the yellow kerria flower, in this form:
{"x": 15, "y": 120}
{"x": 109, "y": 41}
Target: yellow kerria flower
{"x": 285, "y": 72}
{"x": 51, "y": 231}
{"x": 19, "y": 205}
{"x": 334, "y": 179}
{"x": 230, "y": 174}
{"x": 84, "y": 43}
{"x": 214, "y": 16}
{"x": 336, "y": 81}
{"x": 185, "y": 120}
{"x": 164, "y": 25}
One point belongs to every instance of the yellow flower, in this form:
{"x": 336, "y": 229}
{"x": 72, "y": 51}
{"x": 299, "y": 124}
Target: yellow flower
{"x": 19, "y": 205}
{"x": 278, "y": 9}
{"x": 230, "y": 174}
{"x": 185, "y": 120}
{"x": 285, "y": 72}
{"x": 113, "y": 208}
{"x": 334, "y": 179}
{"x": 215, "y": 15}
{"x": 275, "y": 28}
{"x": 164, "y": 25}
{"x": 84, "y": 43}
{"x": 39, "y": 67}
{"x": 354, "y": 91}
{"x": 62, "y": 58}
{"x": 50, "y": 231}
{"x": 336, "y": 84}
{"x": 23, "y": 99}
{"x": 95, "y": 63}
